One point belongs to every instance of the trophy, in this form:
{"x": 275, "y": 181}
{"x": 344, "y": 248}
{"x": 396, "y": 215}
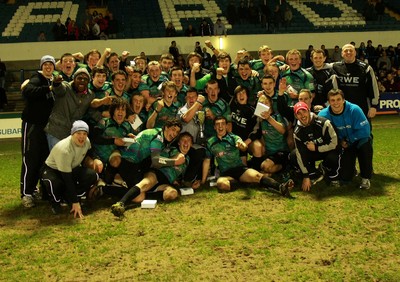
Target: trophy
{"x": 200, "y": 119}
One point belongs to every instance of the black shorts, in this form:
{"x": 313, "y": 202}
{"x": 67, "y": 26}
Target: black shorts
{"x": 243, "y": 154}
{"x": 281, "y": 158}
{"x": 161, "y": 179}
{"x": 235, "y": 172}
{"x": 132, "y": 173}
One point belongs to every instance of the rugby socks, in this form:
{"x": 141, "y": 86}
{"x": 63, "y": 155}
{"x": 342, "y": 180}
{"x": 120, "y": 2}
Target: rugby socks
{"x": 131, "y": 194}
{"x": 270, "y": 184}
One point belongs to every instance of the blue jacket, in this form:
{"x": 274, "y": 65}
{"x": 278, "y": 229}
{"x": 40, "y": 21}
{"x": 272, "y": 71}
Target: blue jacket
{"x": 352, "y": 125}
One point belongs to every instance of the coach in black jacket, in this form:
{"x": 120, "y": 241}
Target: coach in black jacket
{"x": 39, "y": 100}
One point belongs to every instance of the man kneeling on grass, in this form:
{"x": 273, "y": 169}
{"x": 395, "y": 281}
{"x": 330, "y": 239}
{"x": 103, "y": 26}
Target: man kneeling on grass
{"x": 354, "y": 133}
{"x": 225, "y": 148}
{"x": 315, "y": 139}
{"x": 63, "y": 175}
{"x": 166, "y": 169}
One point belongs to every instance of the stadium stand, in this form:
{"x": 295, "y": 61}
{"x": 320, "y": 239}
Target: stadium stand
{"x": 146, "y": 19}
{"x": 394, "y": 5}
{"x": 23, "y": 21}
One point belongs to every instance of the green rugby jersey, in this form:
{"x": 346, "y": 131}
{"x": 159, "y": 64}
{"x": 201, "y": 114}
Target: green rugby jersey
{"x": 219, "y": 108}
{"x": 153, "y": 85}
{"x": 275, "y": 100}
{"x": 182, "y": 95}
{"x": 110, "y": 130}
{"x": 143, "y": 115}
{"x": 274, "y": 141}
{"x": 146, "y": 142}
{"x": 132, "y": 91}
{"x": 64, "y": 76}
{"x": 93, "y": 116}
{"x": 225, "y": 152}
{"x": 299, "y": 79}
{"x": 166, "y": 113}
{"x": 173, "y": 172}
{"x": 124, "y": 95}
{"x": 259, "y": 66}
{"x": 100, "y": 93}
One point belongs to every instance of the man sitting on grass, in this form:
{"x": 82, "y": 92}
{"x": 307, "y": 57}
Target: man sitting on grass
{"x": 137, "y": 158}
{"x": 164, "y": 172}
{"x": 225, "y": 148}
{"x": 108, "y": 137}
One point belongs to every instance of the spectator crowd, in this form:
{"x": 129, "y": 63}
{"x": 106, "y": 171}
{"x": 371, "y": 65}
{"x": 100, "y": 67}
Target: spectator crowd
{"x": 96, "y": 26}
{"x": 271, "y": 17}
